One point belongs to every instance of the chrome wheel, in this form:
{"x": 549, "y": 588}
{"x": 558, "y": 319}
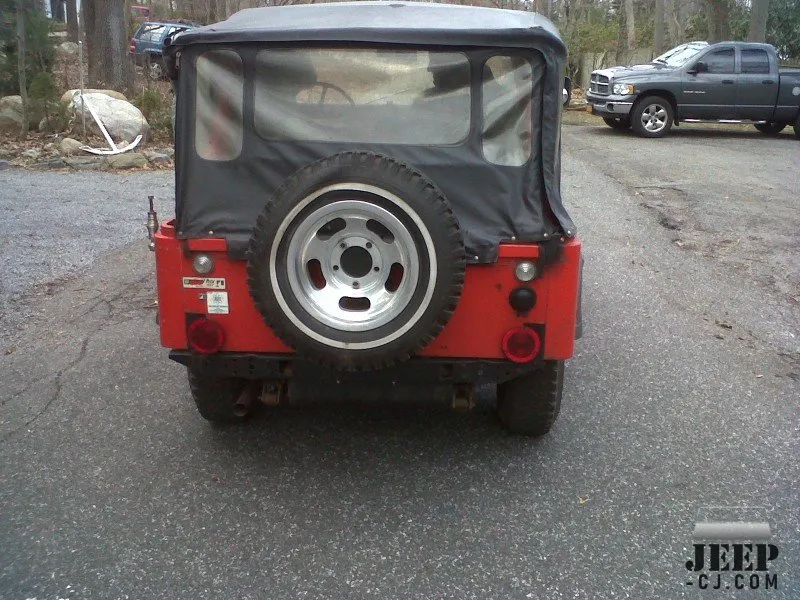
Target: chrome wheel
{"x": 654, "y": 118}
{"x": 154, "y": 69}
{"x": 353, "y": 265}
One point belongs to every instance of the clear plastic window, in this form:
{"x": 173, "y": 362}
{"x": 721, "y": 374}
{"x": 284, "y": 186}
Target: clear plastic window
{"x": 218, "y": 115}
{"x": 359, "y": 95}
{"x": 507, "y": 94}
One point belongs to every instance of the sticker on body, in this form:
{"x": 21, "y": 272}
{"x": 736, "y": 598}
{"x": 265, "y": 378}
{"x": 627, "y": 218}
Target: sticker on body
{"x": 217, "y": 303}
{"x": 208, "y": 283}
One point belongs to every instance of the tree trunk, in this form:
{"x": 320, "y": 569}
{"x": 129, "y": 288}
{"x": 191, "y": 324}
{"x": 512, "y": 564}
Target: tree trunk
{"x": 719, "y": 28}
{"x": 107, "y": 41}
{"x": 23, "y": 80}
{"x": 758, "y": 21}
{"x": 72, "y": 21}
{"x": 658, "y": 28}
{"x": 630, "y": 25}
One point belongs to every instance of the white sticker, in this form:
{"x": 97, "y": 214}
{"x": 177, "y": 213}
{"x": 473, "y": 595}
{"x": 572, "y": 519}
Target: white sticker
{"x": 208, "y": 283}
{"x": 217, "y": 303}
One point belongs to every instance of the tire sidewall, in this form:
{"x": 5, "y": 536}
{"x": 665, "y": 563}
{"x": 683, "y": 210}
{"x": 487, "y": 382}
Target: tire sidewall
{"x": 268, "y": 263}
{"x": 638, "y": 109}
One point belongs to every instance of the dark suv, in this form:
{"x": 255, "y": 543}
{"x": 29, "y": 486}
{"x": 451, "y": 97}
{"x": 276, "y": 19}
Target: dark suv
{"x": 148, "y": 42}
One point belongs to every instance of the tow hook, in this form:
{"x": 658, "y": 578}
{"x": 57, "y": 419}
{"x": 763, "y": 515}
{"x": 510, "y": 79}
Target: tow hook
{"x": 152, "y": 225}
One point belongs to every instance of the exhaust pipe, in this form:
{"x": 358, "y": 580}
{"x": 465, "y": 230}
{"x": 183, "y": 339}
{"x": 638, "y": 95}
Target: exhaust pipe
{"x": 241, "y": 408}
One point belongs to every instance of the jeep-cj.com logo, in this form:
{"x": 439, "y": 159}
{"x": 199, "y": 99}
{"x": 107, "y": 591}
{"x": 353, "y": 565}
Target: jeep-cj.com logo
{"x": 732, "y": 555}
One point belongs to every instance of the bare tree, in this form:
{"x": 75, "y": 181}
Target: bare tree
{"x": 23, "y": 83}
{"x": 72, "y": 20}
{"x": 719, "y": 26}
{"x": 630, "y": 24}
{"x": 658, "y": 27}
{"x": 107, "y": 41}
{"x": 758, "y": 20}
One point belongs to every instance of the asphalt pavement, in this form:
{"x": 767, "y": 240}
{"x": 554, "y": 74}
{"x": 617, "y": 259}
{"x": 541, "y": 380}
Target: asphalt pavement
{"x": 681, "y": 404}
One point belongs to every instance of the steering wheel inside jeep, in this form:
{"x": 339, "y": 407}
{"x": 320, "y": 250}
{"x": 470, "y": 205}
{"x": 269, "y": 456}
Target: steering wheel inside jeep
{"x": 324, "y": 86}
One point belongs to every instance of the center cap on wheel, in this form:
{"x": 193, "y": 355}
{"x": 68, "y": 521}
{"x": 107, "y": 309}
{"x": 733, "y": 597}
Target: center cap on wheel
{"x": 356, "y": 261}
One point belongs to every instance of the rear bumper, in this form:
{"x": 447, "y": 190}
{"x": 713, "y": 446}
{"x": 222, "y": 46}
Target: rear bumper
{"x": 414, "y": 372}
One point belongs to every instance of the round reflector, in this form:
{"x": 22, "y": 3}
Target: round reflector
{"x": 521, "y": 344}
{"x": 205, "y": 337}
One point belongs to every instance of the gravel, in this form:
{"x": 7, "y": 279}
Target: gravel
{"x": 56, "y": 224}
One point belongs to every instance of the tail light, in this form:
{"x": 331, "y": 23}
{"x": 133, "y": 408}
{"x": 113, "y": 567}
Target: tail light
{"x": 521, "y": 344}
{"x": 205, "y": 336}
{"x": 132, "y": 49}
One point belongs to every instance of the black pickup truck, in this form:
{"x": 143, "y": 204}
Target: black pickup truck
{"x": 723, "y": 82}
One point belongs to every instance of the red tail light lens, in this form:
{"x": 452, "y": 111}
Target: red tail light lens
{"x": 521, "y": 344}
{"x": 205, "y": 337}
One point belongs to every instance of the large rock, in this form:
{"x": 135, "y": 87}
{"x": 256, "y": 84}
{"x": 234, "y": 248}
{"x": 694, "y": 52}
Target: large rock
{"x": 68, "y": 147}
{"x": 127, "y": 160}
{"x": 67, "y": 97}
{"x": 83, "y": 163}
{"x": 122, "y": 120}
{"x": 67, "y": 48}
{"x": 11, "y": 115}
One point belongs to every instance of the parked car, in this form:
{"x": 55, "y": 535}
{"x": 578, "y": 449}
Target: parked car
{"x": 140, "y": 13}
{"x": 724, "y": 82}
{"x": 368, "y": 203}
{"x": 147, "y": 44}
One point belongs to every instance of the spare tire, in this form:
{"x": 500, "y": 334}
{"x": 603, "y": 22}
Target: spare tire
{"x": 357, "y": 261}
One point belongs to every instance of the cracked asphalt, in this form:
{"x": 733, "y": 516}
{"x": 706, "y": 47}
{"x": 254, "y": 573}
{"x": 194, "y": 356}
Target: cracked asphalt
{"x": 680, "y": 404}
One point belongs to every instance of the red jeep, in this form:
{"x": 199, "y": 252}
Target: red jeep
{"x": 368, "y": 202}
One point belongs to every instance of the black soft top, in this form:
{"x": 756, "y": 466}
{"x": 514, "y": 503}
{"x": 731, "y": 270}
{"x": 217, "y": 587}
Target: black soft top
{"x": 493, "y": 203}
{"x": 382, "y": 22}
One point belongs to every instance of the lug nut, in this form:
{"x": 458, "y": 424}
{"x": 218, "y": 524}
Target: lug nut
{"x": 355, "y": 285}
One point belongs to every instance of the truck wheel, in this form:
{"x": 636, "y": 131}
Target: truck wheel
{"x": 529, "y": 405}
{"x": 154, "y": 68}
{"x": 620, "y": 123}
{"x": 652, "y": 117}
{"x": 770, "y": 127}
{"x": 220, "y": 400}
{"x": 357, "y": 261}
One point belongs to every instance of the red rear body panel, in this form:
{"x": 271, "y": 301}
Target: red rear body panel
{"x": 476, "y": 329}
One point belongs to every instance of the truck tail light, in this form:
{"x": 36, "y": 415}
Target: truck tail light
{"x": 521, "y": 344}
{"x": 132, "y": 48}
{"x": 205, "y": 336}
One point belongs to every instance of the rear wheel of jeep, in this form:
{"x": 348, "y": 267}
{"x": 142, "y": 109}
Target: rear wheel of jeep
{"x": 617, "y": 123}
{"x": 770, "y": 127}
{"x": 529, "y": 405}
{"x": 357, "y": 261}
{"x": 652, "y": 117}
{"x": 221, "y": 400}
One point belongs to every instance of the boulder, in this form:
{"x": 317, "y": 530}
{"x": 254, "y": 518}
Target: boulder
{"x": 67, "y": 97}
{"x": 122, "y": 120}
{"x": 51, "y": 163}
{"x": 86, "y": 162}
{"x": 4, "y": 164}
{"x": 67, "y": 48}
{"x": 11, "y": 115}
{"x": 32, "y": 153}
{"x": 128, "y": 160}
{"x": 68, "y": 147}
{"x": 157, "y": 158}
